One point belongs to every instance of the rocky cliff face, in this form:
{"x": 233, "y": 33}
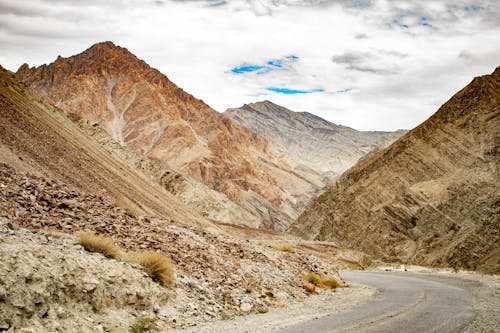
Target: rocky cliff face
{"x": 432, "y": 197}
{"x": 141, "y": 108}
{"x": 312, "y": 143}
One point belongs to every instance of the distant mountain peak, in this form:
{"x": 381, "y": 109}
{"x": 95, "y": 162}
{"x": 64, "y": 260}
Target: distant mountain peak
{"x": 311, "y": 141}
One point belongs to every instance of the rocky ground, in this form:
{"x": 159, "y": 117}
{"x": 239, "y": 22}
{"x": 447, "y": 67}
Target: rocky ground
{"x": 50, "y": 284}
{"x": 216, "y": 276}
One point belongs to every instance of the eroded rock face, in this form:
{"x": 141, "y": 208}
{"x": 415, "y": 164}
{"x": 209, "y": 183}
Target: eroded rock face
{"x": 432, "y": 197}
{"x": 141, "y": 108}
{"x": 319, "y": 150}
{"x": 49, "y": 284}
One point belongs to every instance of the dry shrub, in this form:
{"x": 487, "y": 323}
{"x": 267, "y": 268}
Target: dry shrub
{"x": 324, "y": 282}
{"x": 94, "y": 243}
{"x": 309, "y": 287}
{"x": 311, "y": 278}
{"x": 329, "y": 283}
{"x": 158, "y": 266}
{"x": 128, "y": 206}
{"x": 283, "y": 247}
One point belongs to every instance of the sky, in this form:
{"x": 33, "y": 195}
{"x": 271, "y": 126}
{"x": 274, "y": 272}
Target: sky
{"x": 367, "y": 64}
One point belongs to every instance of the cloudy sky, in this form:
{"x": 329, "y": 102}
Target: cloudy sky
{"x": 368, "y": 64}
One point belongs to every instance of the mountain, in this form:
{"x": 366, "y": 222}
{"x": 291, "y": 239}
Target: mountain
{"x": 189, "y": 192}
{"x": 432, "y": 197}
{"x": 141, "y": 108}
{"x": 40, "y": 139}
{"x": 311, "y": 142}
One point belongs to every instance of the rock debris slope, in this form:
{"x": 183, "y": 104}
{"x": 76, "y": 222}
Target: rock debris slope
{"x": 318, "y": 149}
{"x": 141, "y": 108}
{"x": 432, "y": 197}
{"x": 46, "y": 281}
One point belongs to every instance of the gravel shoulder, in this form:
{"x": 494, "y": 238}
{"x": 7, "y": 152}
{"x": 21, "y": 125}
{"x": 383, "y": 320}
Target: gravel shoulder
{"x": 314, "y": 307}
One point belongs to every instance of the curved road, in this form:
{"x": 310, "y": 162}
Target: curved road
{"x": 405, "y": 304}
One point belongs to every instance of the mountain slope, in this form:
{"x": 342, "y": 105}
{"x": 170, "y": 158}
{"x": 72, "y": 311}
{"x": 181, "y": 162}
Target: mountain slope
{"x": 311, "y": 142}
{"x": 38, "y": 138}
{"x": 141, "y": 108}
{"x": 432, "y": 197}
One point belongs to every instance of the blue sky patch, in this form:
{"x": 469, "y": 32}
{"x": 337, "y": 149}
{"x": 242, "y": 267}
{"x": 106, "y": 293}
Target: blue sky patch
{"x": 284, "y": 63}
{"x": 288, "y": 91}
{"x": 247, "y": 69}
{"x": 424, "y": 21}
{"x": 473, "y": 8}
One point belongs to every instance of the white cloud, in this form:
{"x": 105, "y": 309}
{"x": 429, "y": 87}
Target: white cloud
{"x": 398, "y": 60}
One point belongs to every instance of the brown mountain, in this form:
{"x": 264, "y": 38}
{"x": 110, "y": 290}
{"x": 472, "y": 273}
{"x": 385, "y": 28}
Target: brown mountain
{"x": 40, "y": 139}
{"x": 432, "y": 197}
{"x": 141, "y": 108}
{"x": 312, "y": 143}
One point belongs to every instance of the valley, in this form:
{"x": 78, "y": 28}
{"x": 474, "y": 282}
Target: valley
{"x": 259, "y": 212}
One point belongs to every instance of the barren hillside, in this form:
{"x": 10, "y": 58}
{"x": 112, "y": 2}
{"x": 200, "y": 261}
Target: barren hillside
{"x": 432, "y": 197}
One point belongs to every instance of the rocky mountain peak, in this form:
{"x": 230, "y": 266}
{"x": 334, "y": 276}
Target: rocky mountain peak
{"x": 317, "y": 146}
{"x": 141, "y": 108}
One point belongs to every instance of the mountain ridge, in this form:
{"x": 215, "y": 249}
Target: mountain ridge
{"x": 310, "y": 141}
{"x": 431, "y": 197}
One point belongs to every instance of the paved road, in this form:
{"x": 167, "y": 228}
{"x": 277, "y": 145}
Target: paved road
{"x": 405, "y": 304}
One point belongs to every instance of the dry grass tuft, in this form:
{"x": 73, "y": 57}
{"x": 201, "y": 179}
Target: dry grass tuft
{"x": 99, "y": 244}
{"x": 158, "y": 266}
{"x": 283, "y": 247}
{"x": 311, "y": 278}
{"x": 309, "y": 287}
{"x": 329, "y": 283}
{"x": 324, "y": 282}
{"x": 128, "y": 206}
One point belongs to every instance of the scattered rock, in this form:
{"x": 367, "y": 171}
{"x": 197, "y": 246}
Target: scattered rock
{"x": 245, "y": 307}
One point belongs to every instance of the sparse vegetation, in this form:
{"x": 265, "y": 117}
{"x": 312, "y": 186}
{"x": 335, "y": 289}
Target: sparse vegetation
{"x": 324, "y": 282}
{"x": 158, "y": 266}
{"x": 143, "y": 324}
{"x": 286, "y": 247}
{"x": 128, "y": 206}
{"x": 311, "y": 278}
{"x": 329, "y": 283}
{"x": 99, "y": 244}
